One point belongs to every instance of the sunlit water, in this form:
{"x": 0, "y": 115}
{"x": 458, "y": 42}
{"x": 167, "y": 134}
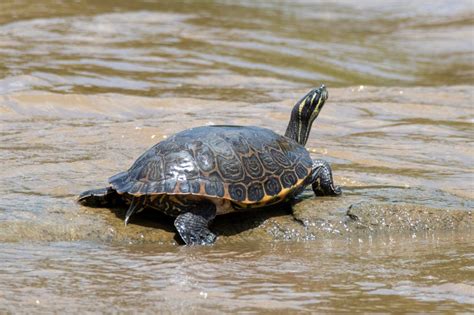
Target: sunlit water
{"x": 87, "y": 86}
{"x": 224, "y": 49}
{"x": 382, "y": 275}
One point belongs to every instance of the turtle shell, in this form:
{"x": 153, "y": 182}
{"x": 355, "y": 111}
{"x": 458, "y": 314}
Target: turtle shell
{"x": 245, "y": 165}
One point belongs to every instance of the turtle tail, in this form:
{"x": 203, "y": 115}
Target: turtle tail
{"x": 102, "y": 197}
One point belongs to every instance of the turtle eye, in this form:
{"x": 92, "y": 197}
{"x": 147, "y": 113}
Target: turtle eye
{"x": 312, "y": 103}
{"x": 323, "y": 92}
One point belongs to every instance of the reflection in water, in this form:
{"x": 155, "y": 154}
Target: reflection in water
{"x": 86, "y": 86}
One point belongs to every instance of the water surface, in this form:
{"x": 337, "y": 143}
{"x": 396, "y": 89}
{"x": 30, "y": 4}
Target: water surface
{"x": 427, "y": 274}
{"x": 223, "y": 49}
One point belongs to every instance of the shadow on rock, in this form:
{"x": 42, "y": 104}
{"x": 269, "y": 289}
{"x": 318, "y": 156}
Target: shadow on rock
{"x": 243, "y": 224}
{"x": 310, "y": 218}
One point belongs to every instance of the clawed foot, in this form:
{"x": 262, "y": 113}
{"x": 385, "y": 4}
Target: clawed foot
{"x": 322, "y": 181}
{"x": 194, "y": 230}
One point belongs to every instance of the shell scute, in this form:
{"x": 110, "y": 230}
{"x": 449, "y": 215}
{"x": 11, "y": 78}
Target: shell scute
{"x": 230, "y": 168}
{"x": 255, "y": 191}
{"x": 272, "y": 186}
{"x": 214, "y": 188}
{"x": 237, "y": 191}
{"x": 253, "y": 166}
{"x": 288, "y": 179}
{"x": 205, "y": 158}
{"x": 301, "y": 171}
{"x": 247, "y": 165}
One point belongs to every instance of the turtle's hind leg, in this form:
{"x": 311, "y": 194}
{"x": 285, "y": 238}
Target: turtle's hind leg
{"x": 193, "y": 226}
{"x": 102, "y": 197}
{"x": 321, "y": 180}
{"x": 137, "y": 205}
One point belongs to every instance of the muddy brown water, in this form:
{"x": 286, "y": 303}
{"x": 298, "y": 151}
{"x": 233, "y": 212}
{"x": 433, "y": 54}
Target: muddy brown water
{"x": 86, "y": 87}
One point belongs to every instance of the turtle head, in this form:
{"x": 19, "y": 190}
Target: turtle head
{"x": 304, "y": 113}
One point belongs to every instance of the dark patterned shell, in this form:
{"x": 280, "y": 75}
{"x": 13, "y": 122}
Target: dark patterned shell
{"x": 243, "y": 164}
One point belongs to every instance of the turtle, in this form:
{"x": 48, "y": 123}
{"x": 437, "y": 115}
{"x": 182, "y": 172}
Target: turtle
{"x": 205, "y": 171}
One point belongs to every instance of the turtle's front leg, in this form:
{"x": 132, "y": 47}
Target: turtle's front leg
{"x": 193, "y": 225}
{"x": 321, "y": 179}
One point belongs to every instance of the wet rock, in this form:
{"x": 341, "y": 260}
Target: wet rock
{"x": 339, "y": 216}
{"x": 406, "y": 217}
{"x": 324, "y": 216}
{"x": 147, "y": 227}
{"x": 311, "y": 218}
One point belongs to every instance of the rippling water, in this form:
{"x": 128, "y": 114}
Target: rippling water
{"x": 381, "y": 275}
{"x": 221, "y": 49}
{"x": 86, "y": 86}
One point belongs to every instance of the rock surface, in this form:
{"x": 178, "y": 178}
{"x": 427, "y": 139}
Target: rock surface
{"x": 311, "y": 218}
